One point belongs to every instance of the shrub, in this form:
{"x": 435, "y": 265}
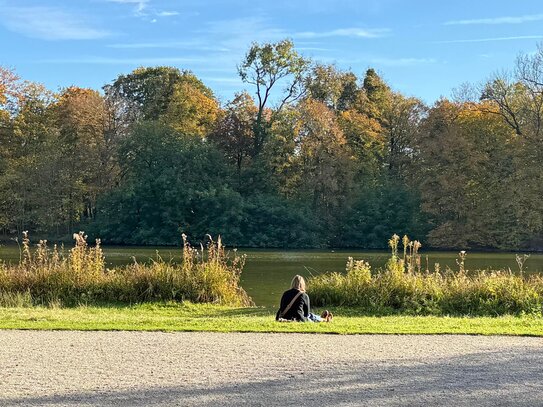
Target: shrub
{"x": 403, "y": 287}
{"x": 48, "y": 277}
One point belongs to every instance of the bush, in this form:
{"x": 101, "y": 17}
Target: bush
{"x": 49, "y": 277}
{"x": 402, "y": 287}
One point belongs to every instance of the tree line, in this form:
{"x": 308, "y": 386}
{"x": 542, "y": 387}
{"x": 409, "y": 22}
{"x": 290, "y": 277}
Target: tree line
{"x": 314, "y": 156}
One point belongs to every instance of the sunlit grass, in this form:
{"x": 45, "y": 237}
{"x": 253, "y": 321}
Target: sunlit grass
{"x": 216, "y": 318}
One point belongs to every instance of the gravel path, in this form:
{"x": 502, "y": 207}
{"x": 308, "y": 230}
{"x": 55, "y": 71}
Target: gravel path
{"x": 211, "y": 369}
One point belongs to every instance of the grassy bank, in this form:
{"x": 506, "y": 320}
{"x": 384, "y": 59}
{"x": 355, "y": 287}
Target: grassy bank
{"x": 406, "y": 285}
{"x": 52, "y": 277}
{"x": 206, "y": 317}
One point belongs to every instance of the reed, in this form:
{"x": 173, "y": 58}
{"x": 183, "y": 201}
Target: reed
{"x": 402, "y": 286}
{"x": 53, "y": 277}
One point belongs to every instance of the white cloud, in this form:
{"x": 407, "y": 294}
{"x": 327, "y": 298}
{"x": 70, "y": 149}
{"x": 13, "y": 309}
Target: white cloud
{"x": 167, "y": 13}
{"x": 223, "y": 79}
{"x": 346, "y": 32}
{"x": 320, "y": 49}
{"x": 125, "y": 61}
{"x": 140, "y": 5}
{"x": 498, "y": 20}
{"x": 491, "y": 39}
{"x": 142, "y": 9}
{"x": 244, "y": 30}
{"x": 378, "y": 60}
{"x": 403, "y": 61}
{"x": 196, "y": 45}
{"x": 236, "y": 35}
{"x": 48, "y": 23}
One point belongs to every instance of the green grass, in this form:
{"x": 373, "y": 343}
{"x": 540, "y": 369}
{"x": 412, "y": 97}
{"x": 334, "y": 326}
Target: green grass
{"x": 206, "y": 317}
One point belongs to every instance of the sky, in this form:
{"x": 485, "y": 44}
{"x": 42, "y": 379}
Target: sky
{"x": 422, "y": 48}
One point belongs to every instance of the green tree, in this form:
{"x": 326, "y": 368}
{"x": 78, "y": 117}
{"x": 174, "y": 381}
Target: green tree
{"x": 234, "y": 131}
{"x": 337, "y": 89}
{"x": 167, "y": 178}
{"x": 401, "y": 119}
{"x": 378, "y": 211}
{"x": 518, "y": 99}
{"x": 146, "y": 93}
{"x": 265, "y": 66}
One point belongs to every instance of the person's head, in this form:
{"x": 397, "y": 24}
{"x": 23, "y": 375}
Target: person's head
{"x": 298, "y": 282}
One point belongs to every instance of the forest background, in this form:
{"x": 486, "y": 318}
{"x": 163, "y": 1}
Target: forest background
{"x": 313, "y": 157}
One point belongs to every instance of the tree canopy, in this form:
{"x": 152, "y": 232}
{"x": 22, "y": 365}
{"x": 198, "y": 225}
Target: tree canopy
{"x": 308, "y": 156}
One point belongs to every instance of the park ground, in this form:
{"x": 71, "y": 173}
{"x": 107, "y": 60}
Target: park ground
{"x": 208, "y": 355}
{"x": 79, "y": 368}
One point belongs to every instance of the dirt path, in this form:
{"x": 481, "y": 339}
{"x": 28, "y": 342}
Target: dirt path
{"x": 211, "y": 369}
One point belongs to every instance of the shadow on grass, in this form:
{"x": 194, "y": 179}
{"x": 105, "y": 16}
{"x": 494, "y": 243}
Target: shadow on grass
{"x": 187, "y": 309}
{"x": 207, "y": 310}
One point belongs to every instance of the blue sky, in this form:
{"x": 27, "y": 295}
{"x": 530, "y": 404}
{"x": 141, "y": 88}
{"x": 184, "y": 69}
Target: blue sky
{"x": 422, "y": 48}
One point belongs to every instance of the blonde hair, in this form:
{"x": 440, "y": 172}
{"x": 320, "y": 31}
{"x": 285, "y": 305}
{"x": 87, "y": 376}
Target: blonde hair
{"x": 298, "y": 282}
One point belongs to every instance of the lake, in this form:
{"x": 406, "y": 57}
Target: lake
{"x": 268, "y": 273}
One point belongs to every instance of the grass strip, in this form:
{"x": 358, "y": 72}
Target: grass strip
{"x": 215, "y": 318}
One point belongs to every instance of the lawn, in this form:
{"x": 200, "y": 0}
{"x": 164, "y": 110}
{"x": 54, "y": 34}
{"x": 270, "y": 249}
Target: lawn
{"x": 206, "y": 317}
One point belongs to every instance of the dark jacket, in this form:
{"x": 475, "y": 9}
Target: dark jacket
{"x": 299, "y": 310}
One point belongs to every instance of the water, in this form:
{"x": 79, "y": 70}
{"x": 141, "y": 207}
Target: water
{"x": 268, "y": 273}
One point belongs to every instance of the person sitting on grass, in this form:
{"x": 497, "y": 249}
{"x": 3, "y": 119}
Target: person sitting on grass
{"x": 295, "y": 305}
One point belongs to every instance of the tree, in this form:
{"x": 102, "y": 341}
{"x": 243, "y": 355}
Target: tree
{"x": 84, "y": 152}
{"x": 266, "y": 65}
{"x": 365, "y": 138}
{"x": 233, "y": 132}
{"x": 11, "y": 90}
{"x": 281, "y": 154}
{"x": 9, "y": 96}
{"x": 326, "y": 171}
{"x": 386, "y": 119}
{"x": 167, "y": 178}
{"x": 192, "y": 110}
{"x": 24, "y": 196}
{"x": 509, "y": 99}
{"x": 400, "y": 123}
{"x": 146, "y": 93}
{"x": 337, "y": 89}
{"x": 518, "y": 99}
{"x": 519, "y": 96}
{"x": 466, "y": 175}
{"x": 375, "y": 95}
{"x": 378, "y": 211}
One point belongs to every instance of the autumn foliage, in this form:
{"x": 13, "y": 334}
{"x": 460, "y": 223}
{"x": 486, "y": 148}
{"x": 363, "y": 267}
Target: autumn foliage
{"x": 311, "y": 156}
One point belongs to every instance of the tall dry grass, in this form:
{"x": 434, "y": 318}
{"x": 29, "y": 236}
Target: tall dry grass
{"x": 46, "y": 276}
{"x": 405, "y": 286}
